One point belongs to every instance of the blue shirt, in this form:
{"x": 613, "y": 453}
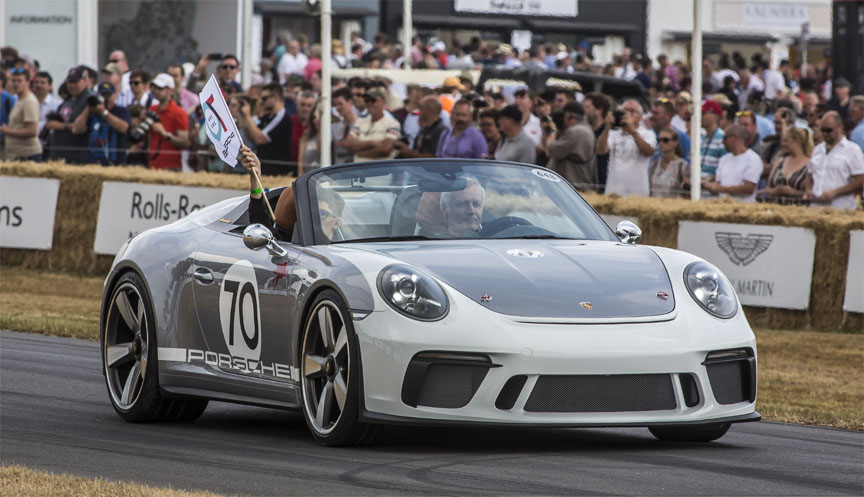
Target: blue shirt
{"x": 857, "y": 135}
{"x": 7, "y": 101}
{"x": 765, "y": 126}
{"x": 107, "y": 145}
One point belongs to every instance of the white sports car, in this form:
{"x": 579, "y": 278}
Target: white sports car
{"x": 449, "y": 292}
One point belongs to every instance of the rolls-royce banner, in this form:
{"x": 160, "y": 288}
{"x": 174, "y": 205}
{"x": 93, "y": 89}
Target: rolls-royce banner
{"x": 769, "y": 266}
{"x": 126, "y": 209}
{"x": 27, "y": 208}
{"x": 854, "y": 299}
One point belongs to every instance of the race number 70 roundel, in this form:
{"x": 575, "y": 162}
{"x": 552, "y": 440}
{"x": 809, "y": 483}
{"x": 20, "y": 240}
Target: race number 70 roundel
{"x": 240, "y": 311}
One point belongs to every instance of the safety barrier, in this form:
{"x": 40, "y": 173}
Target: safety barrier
{"x": 80, "y": 192}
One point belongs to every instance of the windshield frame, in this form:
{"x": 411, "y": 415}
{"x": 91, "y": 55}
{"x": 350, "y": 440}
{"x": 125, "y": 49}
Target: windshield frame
{"x": 304, "y": 198}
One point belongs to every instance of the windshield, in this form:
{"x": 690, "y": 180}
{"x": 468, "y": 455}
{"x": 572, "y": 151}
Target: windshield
{"x": 448, "y": 200}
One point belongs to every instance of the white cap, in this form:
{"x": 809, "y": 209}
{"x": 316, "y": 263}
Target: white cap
{"x": 163, "y": 80}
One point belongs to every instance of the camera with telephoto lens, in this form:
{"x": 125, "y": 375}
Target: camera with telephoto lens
{"x": 141, "y": 131}
{"x": 619, "y": 118}
{"x": 545, "y": 120}
{"x": 95, "y": 100}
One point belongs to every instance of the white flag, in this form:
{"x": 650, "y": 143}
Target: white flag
{"x": 219, "y": 124}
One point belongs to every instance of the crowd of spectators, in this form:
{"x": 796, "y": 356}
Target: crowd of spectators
{"x": 775, "y": 135}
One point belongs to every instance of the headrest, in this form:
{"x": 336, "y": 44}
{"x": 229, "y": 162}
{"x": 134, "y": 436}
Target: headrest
{"x": 429, "y": 215}
{"x": 286, "y": 213}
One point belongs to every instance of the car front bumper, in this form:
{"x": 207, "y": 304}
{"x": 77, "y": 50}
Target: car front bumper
{"x": 613, "y": 374}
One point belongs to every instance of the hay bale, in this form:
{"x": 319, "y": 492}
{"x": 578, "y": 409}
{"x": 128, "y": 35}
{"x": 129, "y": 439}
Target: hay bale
{"x": 81, "y": 188}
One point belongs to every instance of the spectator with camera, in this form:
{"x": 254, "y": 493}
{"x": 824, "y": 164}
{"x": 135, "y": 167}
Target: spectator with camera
{"x": 169, "y": 133}
{"x": 630, "y": 145}
{"x": 62, "y": 143}
{"x": 463, "y": 141}
{"x": 22, "y": 133}
{"x": 572, "y": 151}
{"x": 106, "y": 125}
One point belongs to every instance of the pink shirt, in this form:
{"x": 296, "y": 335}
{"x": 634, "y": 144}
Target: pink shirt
{"x": 313, "y": 66}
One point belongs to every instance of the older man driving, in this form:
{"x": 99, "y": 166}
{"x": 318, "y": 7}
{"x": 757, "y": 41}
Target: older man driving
{"x": 463, "y": 209}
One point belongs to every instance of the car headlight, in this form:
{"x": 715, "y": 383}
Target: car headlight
{"x": 710, "y": 288}
{"x": 412, "y": 293}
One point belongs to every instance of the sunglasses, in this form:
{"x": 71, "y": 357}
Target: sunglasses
{"x": 358, "y": 94}
{"x": 19, "y": 70}
{"x": 826, "y": 131}
{"x": 662, "y": 100}
{"x": 666, "y": 140}
{"x": 114, "y": 61}
{"x": 745, "y": 113}
{"x": 226, "y": 66}
{"x": 324, "y": 213}
{"x": 264, "y": 98}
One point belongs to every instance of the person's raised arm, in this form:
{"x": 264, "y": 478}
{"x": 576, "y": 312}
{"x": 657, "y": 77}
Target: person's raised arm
{"x": 603, "y": 139}
{"x": 79, "y": 125}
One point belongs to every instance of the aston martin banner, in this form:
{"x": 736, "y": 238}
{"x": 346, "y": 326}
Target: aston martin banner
{"x": 854, "y": 299}
{"x": 769, "y": 266}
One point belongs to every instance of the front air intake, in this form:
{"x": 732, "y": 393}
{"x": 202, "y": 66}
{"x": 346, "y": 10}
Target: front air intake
{"x": 732, "y": 374}
{"x": 444, "y": 380}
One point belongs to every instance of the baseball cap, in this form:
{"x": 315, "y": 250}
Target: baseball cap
{"x": 112, "y": 68}
{"x": 75, "y": 74}
{"x": 105, "y": 88}
{"x": 683, "y": 97}
{"x": 376, "y": 92}
{"x": 163, "y": 80}
{"x": 712, "y": 106}
{"x": 512, "y": 112}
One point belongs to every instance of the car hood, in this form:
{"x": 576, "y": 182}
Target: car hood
{"x": 571, "y": 279}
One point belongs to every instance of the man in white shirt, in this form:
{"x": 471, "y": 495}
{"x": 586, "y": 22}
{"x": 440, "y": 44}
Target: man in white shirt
{"x": 293, "y": 62}
{"x": 374, "y": 137}
{"x": 48, "y": 102}
{"x": 738, "y": 171}
{"x": 774, "y": 83}
{"x": 630, "y": 147}
{"x": 836, "y": 168}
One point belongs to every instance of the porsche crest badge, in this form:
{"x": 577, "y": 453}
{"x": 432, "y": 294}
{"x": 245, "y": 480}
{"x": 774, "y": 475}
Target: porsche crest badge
{"x": 586, "y": 305}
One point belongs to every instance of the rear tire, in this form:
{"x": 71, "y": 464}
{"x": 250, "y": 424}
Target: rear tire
{"x": 130, "y": 360}
{"x": 704, "y": 433}
{"x": 330, "y": 375}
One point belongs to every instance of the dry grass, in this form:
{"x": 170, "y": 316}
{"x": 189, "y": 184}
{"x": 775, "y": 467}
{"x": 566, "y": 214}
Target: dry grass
{"x": 51, "y": 303}
{"x": 18, "y": 481}
{"x": 811, "y": 378}
{"x": 804, "y": 377}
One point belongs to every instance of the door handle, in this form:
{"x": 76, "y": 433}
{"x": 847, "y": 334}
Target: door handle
{"x": 203, "y": 275}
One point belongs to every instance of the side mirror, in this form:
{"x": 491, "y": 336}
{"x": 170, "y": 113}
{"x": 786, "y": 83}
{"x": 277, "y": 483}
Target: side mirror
{"x": 257, "y": 236}
{"x": 628, "y": 232}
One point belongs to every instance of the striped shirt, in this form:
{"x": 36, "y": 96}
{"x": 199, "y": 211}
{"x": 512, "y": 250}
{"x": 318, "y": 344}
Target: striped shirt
{"x": 712, "y": 150}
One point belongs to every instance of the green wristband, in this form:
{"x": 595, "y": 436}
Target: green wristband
{"x": 255, "y": 191}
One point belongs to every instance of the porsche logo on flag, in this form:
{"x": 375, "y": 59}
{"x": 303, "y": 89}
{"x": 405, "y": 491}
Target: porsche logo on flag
{"x": 742, "y": 250}
{"x": 586, "y": 305}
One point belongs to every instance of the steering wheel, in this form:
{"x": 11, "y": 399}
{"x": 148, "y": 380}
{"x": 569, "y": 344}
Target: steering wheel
{"x": 501, "y": 224}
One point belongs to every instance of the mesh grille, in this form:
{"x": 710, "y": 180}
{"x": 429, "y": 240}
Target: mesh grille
{"x": 450, "y": 386}
{"x": 595, "y": 393}
{"x": 727, "y": 381}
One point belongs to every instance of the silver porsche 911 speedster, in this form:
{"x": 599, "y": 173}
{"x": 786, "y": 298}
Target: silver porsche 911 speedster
{"x": 435, "y": 292}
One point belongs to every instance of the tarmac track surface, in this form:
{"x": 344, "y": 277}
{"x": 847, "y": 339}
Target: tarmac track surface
{"x": 55, "y": 416}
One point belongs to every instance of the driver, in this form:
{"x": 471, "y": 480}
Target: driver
{"x": 330, "y": 207}
{"x": 462, "y": 210}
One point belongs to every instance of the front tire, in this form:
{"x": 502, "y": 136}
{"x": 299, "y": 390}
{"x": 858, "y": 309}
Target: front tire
{"x": 130, "y": 361}
{"x": 705, "y": 433}
{"x": 330, "y": 375}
